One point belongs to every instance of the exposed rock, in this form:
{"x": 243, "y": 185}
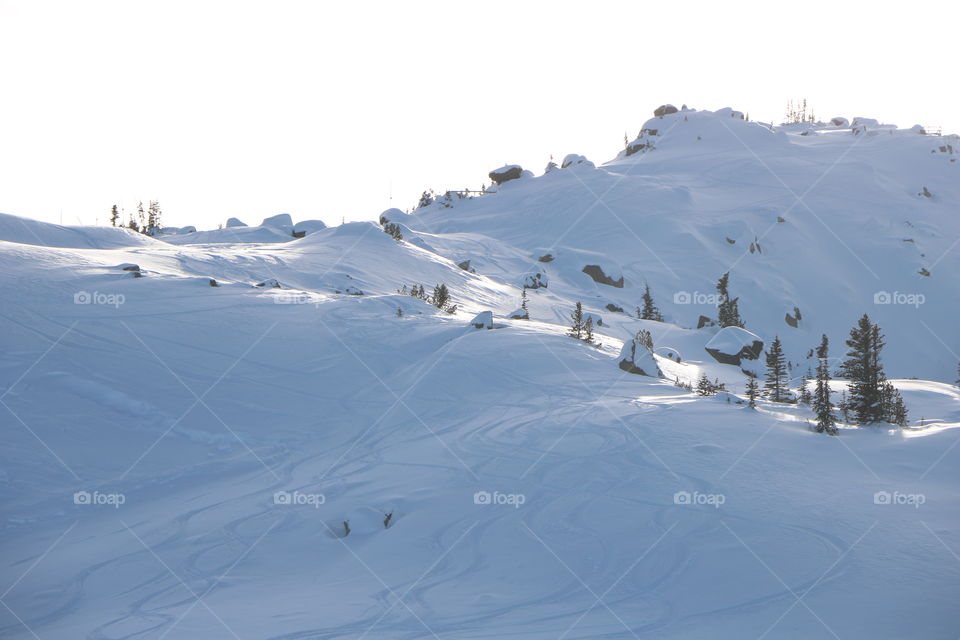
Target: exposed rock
{"x": 663, "y": 110}
{"x": 840, "y": 122}
{"x": 790, "y": 320}
{"x": 732, "y": 345}
{"x": 639, "y": 145}
{"x": 614, "y": 308}
{"x": 214, "y": 283}
{"x": 595, "y": 272}
{"x": 506, "y": 173}
{"x": 923, "y": 271}
{"x": 547, "y": 257}
{"x": 925, "y": 193}
{"x": 483, "y": 320}
{"x": 269, "y": 284}
{"x": 731, "y": 241}
{"x": 465, "y": 265}
{"x": 704, "y": 321}
{"x": 129, "y": 266}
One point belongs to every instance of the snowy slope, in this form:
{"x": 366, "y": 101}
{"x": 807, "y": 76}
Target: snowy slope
{"x": 179, "y": 458}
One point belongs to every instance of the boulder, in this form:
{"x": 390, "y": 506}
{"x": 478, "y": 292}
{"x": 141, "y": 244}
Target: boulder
{"x": 269, "y": 284}
{"x": 636, "y": 358}
{"x": 483, "y": 320}
{"x": 536, "y": 280}
{"x": 840, "y": 122}
{"x": 704, "y": 321}
{"x": 465, "y": 265}
{"x": 547, "y": 257}
{"x": 663, "y": 110}
{"x": 614, "y": 308}
{"x": 129, "y": 266}
{"x": 519, "y": 314}
{"x": 279, "y": 221}
{"x": 596, "y": 272}
{"x": 576, "y": 160}
{"x": 235, "y": 222}
{"x": 732, "y": 345}
{"x": 306, "y": 227}
{"x": 790, "y": 320}
{"x": 506, "y": 173}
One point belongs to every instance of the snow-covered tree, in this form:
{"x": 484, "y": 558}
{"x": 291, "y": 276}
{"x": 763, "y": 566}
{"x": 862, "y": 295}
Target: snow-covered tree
{"x": 776, "y": 383}
{"x": 576, "y": 326}
{"x": 822, "y": 407}
{"x": 588, "y": 330}
{"x": 728, "y": 314}
{"x": 704, "y": 386}
{"x": 649, "y": 310}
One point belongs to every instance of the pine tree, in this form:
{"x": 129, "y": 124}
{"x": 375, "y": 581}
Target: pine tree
{"x": 776, "y": 384}
{"x": 804, "y": 396}
{"x": 588, "y": 330}
{"x": 894, "y": 411}
{"x": 153, "y": 217}
{"x": 141, "y": 218}
{"x": 862, "y": 367}
{"x": 576, "y": 328}
{"x": 728, "y": 315}
{"x": 650, "y": 310}
{"x": 822, "y": 406}
{"x": 523, "y": 300}
{"x": 114, "y": 215}
{"x": 753, "y": 390}
{"x": 440, "y": 297}
{"x": 704, "y": 386}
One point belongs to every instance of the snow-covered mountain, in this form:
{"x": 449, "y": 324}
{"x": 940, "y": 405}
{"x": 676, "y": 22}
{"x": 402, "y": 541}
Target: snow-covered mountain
{"x": 192, "y": 422}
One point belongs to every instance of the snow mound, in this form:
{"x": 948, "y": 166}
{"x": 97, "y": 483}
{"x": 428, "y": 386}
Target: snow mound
{"x": 27, "y": 231}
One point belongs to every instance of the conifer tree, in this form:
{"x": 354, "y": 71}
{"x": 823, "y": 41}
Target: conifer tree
{"x": 753, "y": 390}
{"x": 822, "y": 407}
{"x": 728, "y": 314}
{"x": 523, "y": 300}
{"x": 650, "y": 310}
{"x": 776, "y": 383}
{"x": 588, "y": 330}
{"x": 114, "y": 215}
{"x": 576, "y": 328}
{"x": 804, "y": 396}
{"x": 862, "y": 367}
{"x": 704, "y": 386}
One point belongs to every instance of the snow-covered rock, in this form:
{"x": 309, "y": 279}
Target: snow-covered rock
{"x": 235, "y": 222}
{"x": 483, "y": 320}
{"x": 664, "y": 110}
{"x": 519, "y": 314}
{"x": 279, "y": 221}
{"x": 839, "y": 122}
{"x": 306, "y": 227}
{"x": 576, "y": 160}
{"x": 600, "y": 276}
{"x": 732, "y": 345}
{"x": 506, "y": 173}
{"x": 637, "y": 358}
{"x": 536, "y": 280}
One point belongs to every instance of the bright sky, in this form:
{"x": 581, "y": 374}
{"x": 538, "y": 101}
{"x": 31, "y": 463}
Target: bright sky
{"x": 325, "y": 109}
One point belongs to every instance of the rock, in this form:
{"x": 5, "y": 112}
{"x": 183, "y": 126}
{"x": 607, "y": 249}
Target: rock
{"x": 506, "y": 173}
{"x": 925, "y": 193}
{"x": 595, "y": 272}
{"x": 636, "y": 358}
{"x": 136, "y": 274}
{"x": 519, "y": 314}
{"x": 840, "y": 122}
{"x": 731, "y": 241}
{"x": 704, "y": 321}
{"x": 483, "y": 320}
{"x": 465, "y": 265}
{"x": 575, "y": 160}
{"x": 732, "y": 345}
{"x": 129, "y": 266}
{"x": 536, "y": 280}
{"x": 790, "y": 320}
{"x": 638, "y": 145}
{"x": 279, "y": 221}
{"x": 923, "y": 271}
{"x": 597, "y": 319}
{"x": 663, "y": 110}
{"x": 235, "y": 222}
{"x": 214, "y": 283}
{"x": 547, "y": 257}
{"x": 614, "y": 308}
{"x": 269, "y": 284}
{"x": 306, "y": 227}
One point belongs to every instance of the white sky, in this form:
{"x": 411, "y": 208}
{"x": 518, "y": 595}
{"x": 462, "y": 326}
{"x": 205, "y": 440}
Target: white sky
{"x": 323, "y": 109}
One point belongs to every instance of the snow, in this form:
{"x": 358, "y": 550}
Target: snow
{"x": 179, "y": 460}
